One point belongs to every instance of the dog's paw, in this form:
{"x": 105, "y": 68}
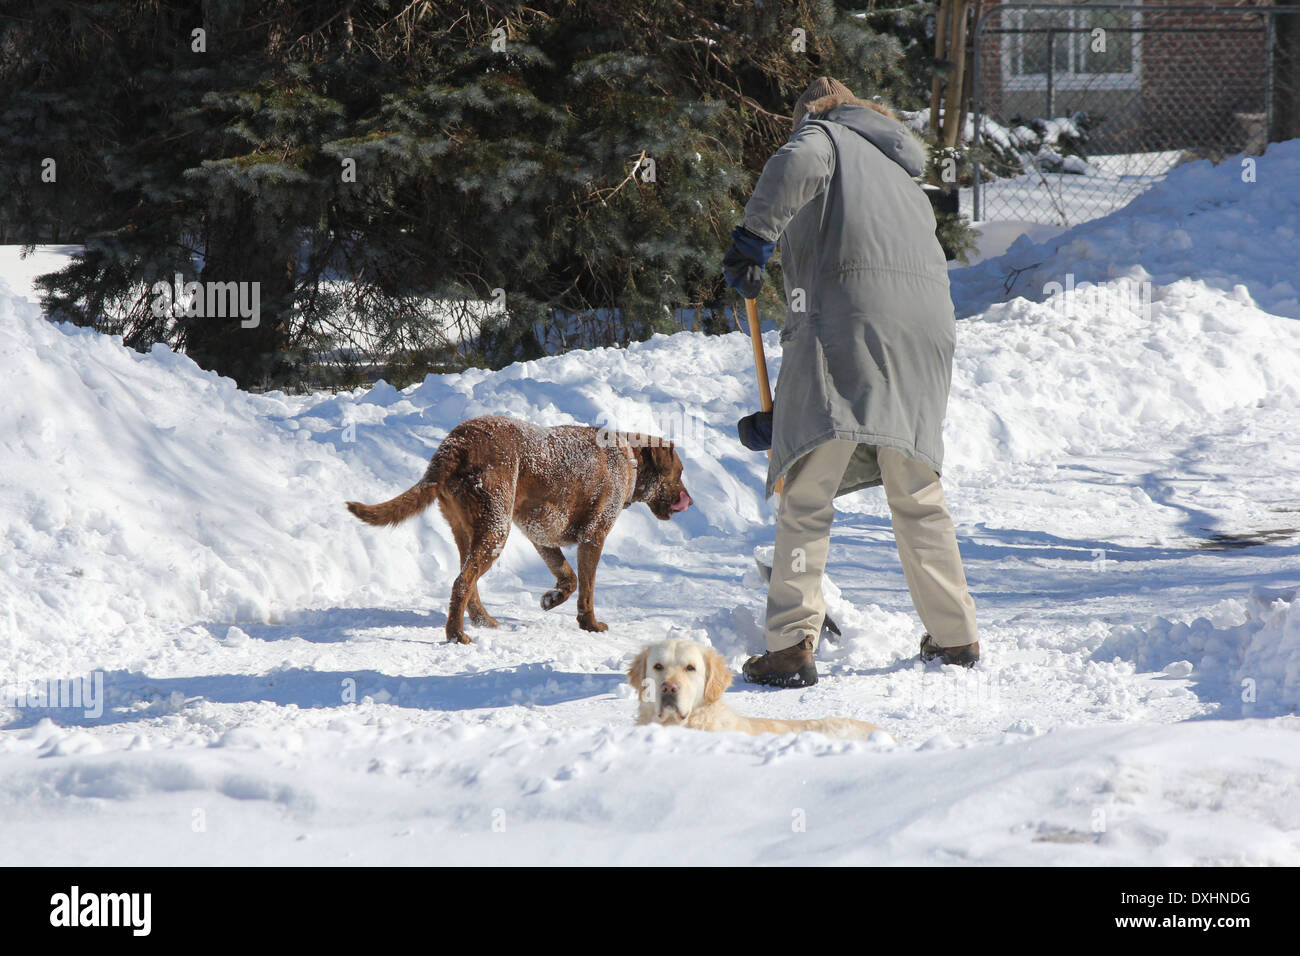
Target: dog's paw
{"x": 554, "y": 598}
{"x": 459, "y": 637}
{"x": 483, "y": 620}
{"x": 591, "y": 624}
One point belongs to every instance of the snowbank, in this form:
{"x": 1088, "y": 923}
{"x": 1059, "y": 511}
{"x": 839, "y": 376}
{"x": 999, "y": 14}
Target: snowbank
{"x": 138, "y": 487}
{"x": 1110, "y": 366}
{"x": 1218, "y": 794}
{"x": 1231, "y": 225}
{"x": 1247, "y": 655}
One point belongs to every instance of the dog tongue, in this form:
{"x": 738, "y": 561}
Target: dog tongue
{"x": 683, "y": 502}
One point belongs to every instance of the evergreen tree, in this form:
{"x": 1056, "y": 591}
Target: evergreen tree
{"x": 425, "y": 185}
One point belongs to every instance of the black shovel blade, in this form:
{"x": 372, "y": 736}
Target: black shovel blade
{"x": 830, "y": 630}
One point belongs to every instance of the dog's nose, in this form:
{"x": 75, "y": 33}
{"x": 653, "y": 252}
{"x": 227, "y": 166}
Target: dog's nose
{"x": 683, "y": 501}
{"x": 669, "y": 688}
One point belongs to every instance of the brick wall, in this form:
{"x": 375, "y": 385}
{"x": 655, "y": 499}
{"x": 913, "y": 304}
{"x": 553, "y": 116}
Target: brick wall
{"x": 1196, "y": 89}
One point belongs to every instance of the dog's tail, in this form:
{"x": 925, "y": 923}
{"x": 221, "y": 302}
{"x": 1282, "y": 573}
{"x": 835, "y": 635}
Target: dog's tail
{"x": 413, "y": 500}
{"x": 408, "y": 503}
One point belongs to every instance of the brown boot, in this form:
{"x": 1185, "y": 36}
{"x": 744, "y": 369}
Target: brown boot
{"x": 966, "y": 655}
{"x": 792, "y": 667}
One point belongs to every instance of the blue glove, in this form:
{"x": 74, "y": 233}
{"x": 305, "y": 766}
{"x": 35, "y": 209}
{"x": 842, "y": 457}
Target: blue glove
{"x": 743, "y": 264}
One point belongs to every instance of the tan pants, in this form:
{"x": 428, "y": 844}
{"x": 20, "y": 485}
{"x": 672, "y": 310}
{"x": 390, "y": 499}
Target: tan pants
{"x": 927, "y": 544}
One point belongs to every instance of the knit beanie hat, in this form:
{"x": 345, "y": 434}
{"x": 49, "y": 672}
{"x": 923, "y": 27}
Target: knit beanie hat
{"x": 822, "y": 86}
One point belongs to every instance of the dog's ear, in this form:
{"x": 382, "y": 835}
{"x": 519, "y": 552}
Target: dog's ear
{"x": 656, "y": 454}
{"x": 636, "y": 673}
{"x": 717, "y": 676}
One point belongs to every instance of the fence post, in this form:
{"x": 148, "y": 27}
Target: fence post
{"x": 1051, "y": 64}
{"x": 977, "y": 109}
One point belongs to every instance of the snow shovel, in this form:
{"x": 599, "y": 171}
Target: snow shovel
{"x": 829, "y": 627}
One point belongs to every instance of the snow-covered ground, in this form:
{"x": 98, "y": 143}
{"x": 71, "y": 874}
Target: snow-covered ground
{"x": 275, "y": 686}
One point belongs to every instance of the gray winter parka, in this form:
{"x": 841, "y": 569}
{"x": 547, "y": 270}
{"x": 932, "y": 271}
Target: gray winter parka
{"x": 868, "y": 340}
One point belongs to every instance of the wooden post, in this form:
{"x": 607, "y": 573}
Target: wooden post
{"x": 940, "y": 53}
{"x": 952, "y": 94}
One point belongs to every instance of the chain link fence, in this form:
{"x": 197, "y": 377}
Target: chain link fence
{"x": 1078, "y": 108}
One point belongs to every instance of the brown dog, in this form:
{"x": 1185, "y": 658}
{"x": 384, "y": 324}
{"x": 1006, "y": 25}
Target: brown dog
{"x": 560, "y": 486}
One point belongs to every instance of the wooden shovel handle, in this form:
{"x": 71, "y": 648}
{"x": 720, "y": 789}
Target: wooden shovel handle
{"x": 760, "y": 364}
{"x": 760, "y": 357}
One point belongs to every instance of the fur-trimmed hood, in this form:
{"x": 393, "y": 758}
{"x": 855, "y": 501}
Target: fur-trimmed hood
{"x": 873, "y": 122}
{"x": 828, "y": 102}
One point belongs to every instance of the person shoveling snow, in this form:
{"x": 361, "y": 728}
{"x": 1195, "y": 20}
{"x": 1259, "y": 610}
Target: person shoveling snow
{"x": 868, "y": 345}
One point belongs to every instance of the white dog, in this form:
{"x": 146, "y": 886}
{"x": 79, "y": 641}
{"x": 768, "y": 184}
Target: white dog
{"x": 681, "y": 683}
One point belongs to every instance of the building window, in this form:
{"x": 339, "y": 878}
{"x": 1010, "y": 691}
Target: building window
{"x": 1076, "y": 48}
